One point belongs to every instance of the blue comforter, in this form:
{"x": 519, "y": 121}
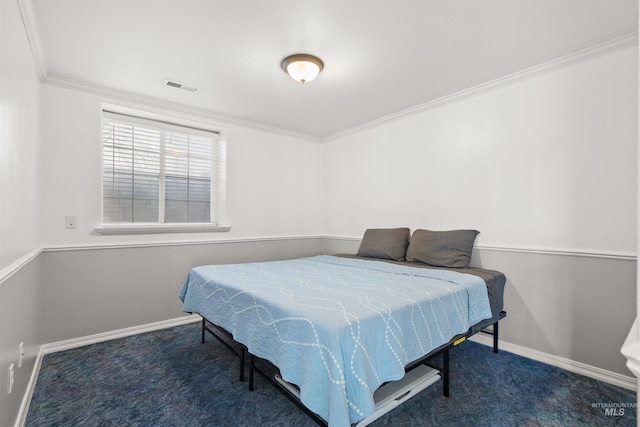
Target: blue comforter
{"x": 337, "y": 327}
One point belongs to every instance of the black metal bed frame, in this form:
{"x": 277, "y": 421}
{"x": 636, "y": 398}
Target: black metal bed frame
{"x": 241, "y": 351}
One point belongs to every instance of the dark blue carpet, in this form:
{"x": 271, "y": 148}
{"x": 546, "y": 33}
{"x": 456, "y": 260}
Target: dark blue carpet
{"x": 168, "y": 378}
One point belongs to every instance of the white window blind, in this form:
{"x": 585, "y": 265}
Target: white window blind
{"x": 156, "y": 172}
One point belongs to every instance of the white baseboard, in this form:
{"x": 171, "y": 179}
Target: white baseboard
{"x": 629, "y": 383}
{"x": 28, "y": 394}
{"x": 120, "y": 333}
{"x": 91, "y": 339}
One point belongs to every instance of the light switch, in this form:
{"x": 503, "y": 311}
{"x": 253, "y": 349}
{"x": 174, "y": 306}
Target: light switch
{"x": 70, "y": 221}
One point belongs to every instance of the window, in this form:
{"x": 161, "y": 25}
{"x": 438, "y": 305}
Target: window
{"x": 158, "y": 174}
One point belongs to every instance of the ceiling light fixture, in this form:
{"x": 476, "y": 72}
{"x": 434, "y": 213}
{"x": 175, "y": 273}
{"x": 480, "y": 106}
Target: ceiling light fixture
{"x": 302, "y": 67}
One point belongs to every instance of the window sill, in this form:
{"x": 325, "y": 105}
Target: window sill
{"x": 160, "y": 228}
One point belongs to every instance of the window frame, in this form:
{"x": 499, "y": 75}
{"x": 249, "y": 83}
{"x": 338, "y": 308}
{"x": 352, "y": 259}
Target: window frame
{"x": 218, "y": 175}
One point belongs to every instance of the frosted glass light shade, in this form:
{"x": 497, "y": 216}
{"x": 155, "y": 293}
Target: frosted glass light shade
{"x": 302, "y": 67}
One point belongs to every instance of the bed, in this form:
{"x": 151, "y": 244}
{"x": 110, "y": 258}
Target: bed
{"x": 339, "y": 327}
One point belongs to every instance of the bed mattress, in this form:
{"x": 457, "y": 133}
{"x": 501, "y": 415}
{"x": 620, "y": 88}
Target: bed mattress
{"x": 494, "y": 280}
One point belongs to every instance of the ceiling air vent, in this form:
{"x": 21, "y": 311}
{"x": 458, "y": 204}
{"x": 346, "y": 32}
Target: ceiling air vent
{"x": 182, "y": 86}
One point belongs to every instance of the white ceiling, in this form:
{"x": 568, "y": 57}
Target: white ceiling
{"x": 380, "y": 56}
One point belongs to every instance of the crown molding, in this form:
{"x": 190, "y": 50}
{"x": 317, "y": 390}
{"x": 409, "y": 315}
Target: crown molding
{"x": 120, "y": 95}
{"x": 592, "y": 52}
{"x": 29, "y": 22}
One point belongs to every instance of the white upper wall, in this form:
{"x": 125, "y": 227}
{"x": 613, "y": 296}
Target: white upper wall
{"x": 273, "y": 179}
{"x": 546, "y": 163}
{"x": 19, "y": 156}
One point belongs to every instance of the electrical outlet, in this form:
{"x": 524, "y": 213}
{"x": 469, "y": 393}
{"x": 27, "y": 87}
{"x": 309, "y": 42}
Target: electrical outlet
{"x": 70, "y": 221}
{"x": 10, "y": 378}
{"x": 20, "y": 354}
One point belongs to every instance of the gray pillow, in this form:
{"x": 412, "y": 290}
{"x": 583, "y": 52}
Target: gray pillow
{"x": 385, "y": 243}
{"x": 442, "y": 248}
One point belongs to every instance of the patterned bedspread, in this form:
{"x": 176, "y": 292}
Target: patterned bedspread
{"x": 337, "y": 327}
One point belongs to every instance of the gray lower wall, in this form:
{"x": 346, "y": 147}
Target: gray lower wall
{"x": 20, "y": 321}
{"x": 90, "y": 291}
{"x": 577, "y": 307}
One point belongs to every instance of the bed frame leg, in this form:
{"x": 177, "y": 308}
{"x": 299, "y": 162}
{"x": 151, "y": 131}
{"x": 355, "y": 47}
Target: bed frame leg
{"x": 251, "y": 362}
{"x": 495, "y": 337}
{"x": 445, "y": 372}
{"x": 243, "y": 351}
